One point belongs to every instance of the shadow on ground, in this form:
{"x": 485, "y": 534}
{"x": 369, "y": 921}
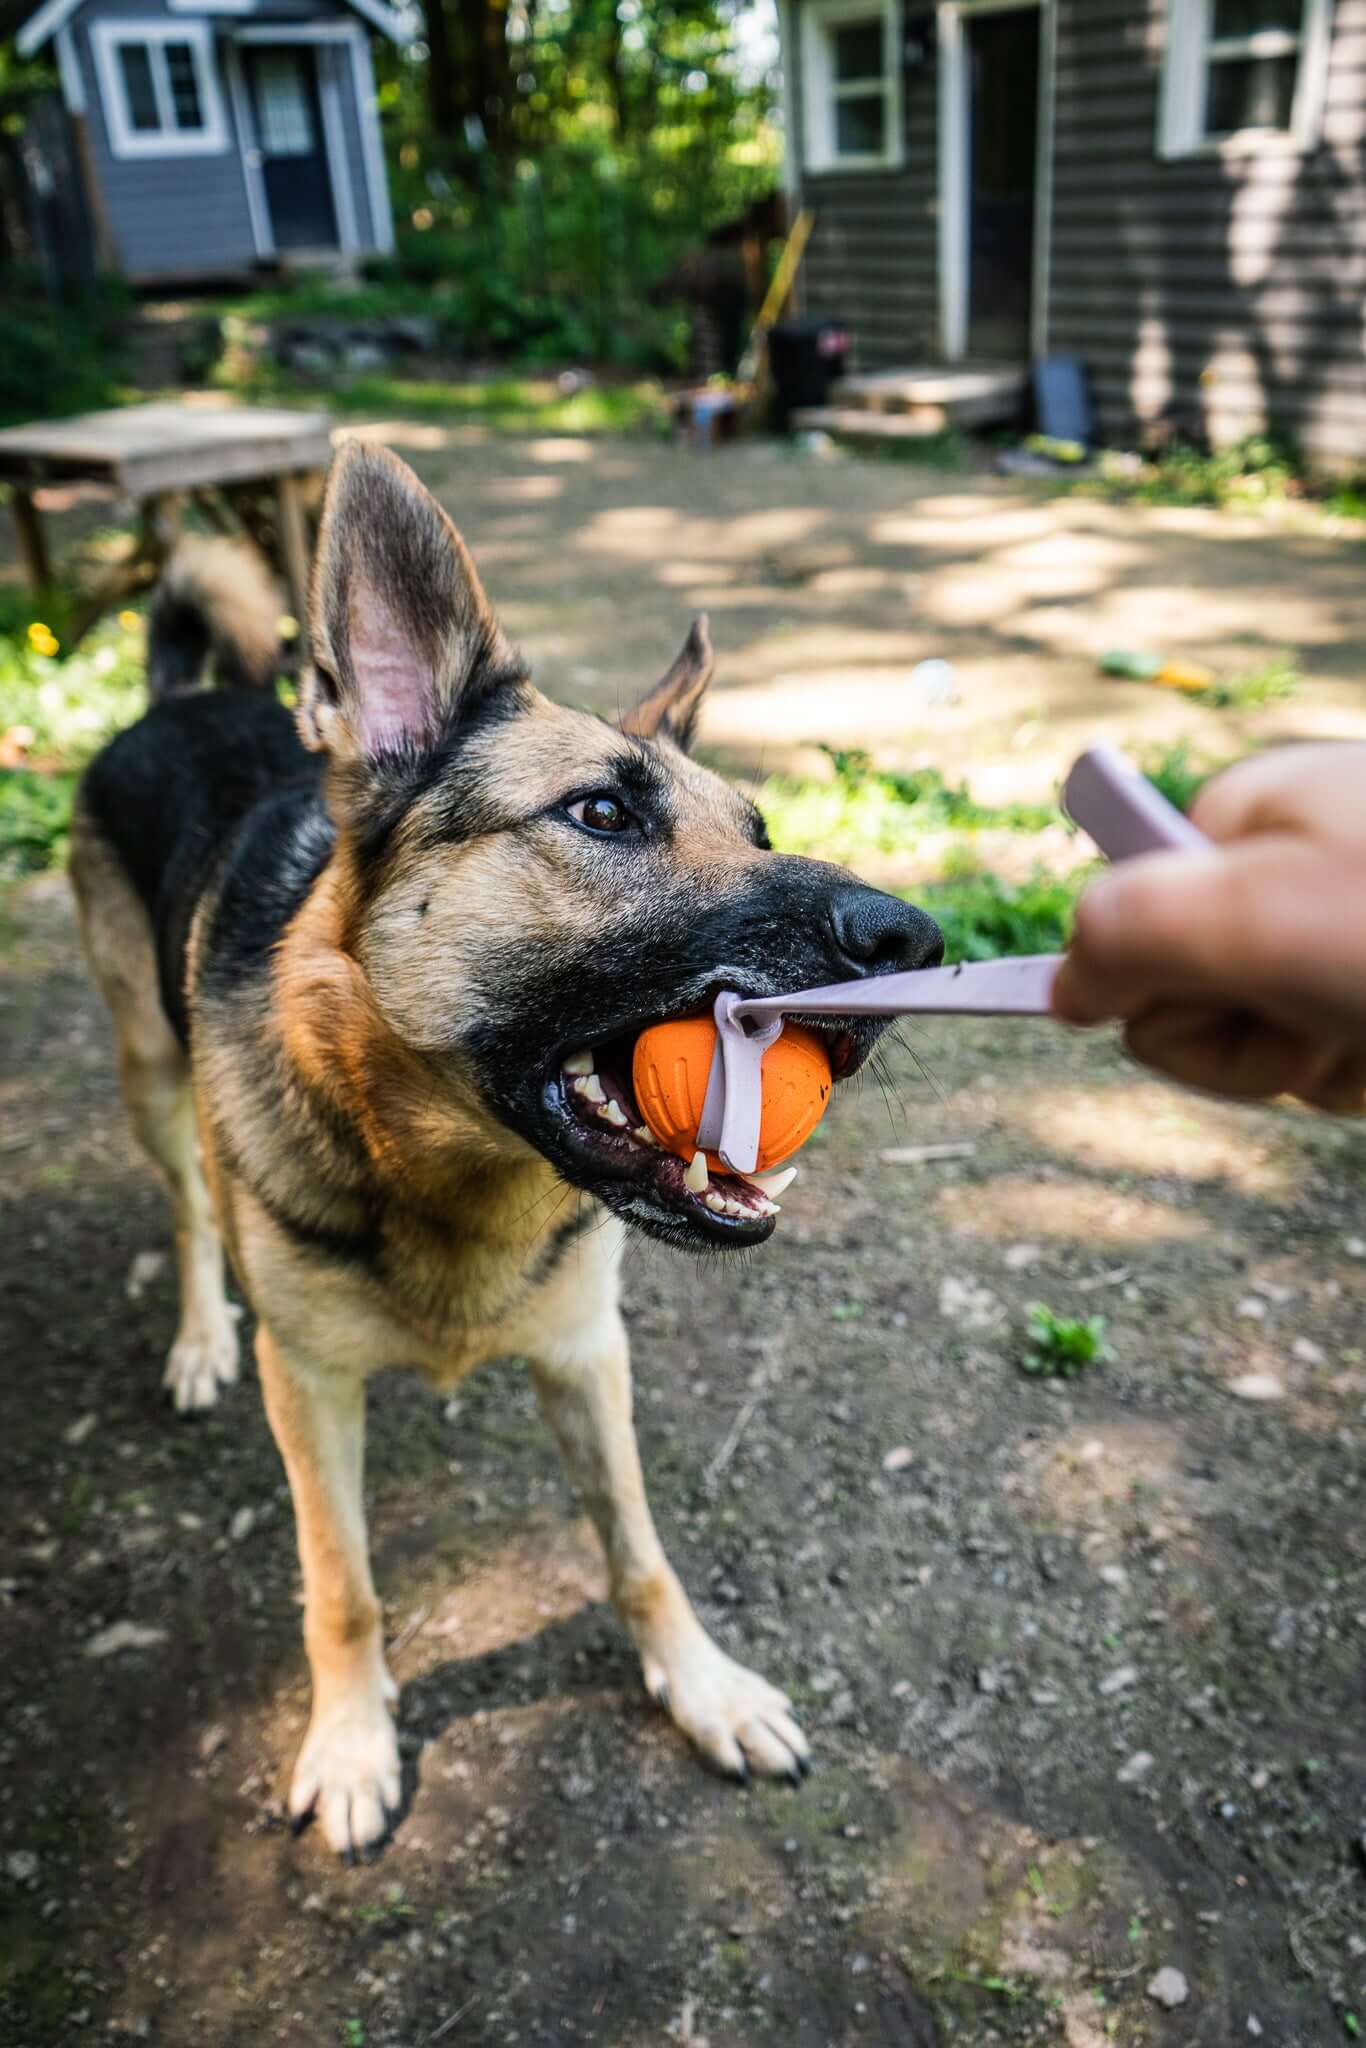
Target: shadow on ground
{"x": 1083, "y": 1666}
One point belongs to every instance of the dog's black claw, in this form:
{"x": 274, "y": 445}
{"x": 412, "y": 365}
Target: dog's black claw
{"x": 662, "y": 1698}
{"x": 794, "y": 1776}
{"x": 741, "y": 1776}
{"x": 299, "y": 1821}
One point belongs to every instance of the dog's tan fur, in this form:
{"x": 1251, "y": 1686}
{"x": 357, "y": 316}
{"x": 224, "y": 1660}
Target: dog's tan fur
{"x": 337, "y": 1094}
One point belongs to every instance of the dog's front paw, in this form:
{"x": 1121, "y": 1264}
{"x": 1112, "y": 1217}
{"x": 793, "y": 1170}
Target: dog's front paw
{"x": 348, "y": 1774}
{"x": 735, "y": 1717}
{"x": 202, "y": 1359}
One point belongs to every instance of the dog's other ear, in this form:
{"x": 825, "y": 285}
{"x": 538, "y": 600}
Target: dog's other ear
{"x": 404, "y": 640}
{"x": 671, "y": 708}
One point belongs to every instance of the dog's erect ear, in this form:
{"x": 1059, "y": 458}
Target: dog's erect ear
{"x": 404, "y": 640}
{"x": 672, "y": 706}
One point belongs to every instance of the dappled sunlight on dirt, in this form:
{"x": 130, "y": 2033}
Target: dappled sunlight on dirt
{"x": 1015, "y": 1207}
{"x": 1150, "y": 1129}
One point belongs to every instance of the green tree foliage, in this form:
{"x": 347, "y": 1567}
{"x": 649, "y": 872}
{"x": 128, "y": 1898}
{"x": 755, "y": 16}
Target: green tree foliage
{"x": 554, "y": 160}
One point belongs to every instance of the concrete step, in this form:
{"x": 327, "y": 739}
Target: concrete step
{"x": 853, "y": 424}
{"x": 968, "y": 395}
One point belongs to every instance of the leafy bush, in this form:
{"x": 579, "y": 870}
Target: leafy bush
{"x": 57, "y": 359}
{"x": 984, "y": 918}
{"x": 1258, "y": 470}
{"x": 55, "y": 713}
{"x": 1061, "y": 1347}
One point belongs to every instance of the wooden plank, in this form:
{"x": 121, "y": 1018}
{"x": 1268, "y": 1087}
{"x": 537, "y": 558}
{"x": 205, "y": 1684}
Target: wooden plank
{"x": 145, "y": 449}
{"x": 28, "y": 527}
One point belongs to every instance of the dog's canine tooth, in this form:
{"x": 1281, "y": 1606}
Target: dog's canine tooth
{"x": 579, "y": 1063}
{"x": 612, "y": 1113}
{"x": 591, "y": 1089}
{"x": 696, "y": 1178}
{"x": 773, "y": 1184}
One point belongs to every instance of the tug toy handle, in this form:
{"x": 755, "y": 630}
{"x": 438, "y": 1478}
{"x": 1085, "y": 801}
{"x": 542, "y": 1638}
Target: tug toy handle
{"x": 1121, "y": 810}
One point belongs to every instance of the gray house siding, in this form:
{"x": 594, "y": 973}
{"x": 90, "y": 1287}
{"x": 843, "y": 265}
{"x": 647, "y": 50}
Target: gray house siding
{"x": 1223, "y": 292}
{"x": 189, "y": 215}
{"x": 180, "y": 214}
{"x": 872, "y": 256}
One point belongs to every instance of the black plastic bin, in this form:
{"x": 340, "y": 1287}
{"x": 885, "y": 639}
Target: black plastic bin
{"x": 805, "y": 357}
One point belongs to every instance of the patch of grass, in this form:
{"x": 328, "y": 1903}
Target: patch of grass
{"x": 984, "y": 918}
{"x": 1061, "y": 1347}
{"x": 512, "y": 404}
{"x": 1258, "y": 470}
{"x": 864, "y": 809}
{"x": 55, "y": 713}
{"x": 1272, "y": 683}
{"x": 1178, "y": 772}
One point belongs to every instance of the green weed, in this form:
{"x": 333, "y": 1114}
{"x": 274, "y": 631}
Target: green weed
{"x": 1272, "y": 683}
{"x": 55, "y": 713}
{"x": 983, "y": 918}
{"x": 864, "y": 809}
{"x": 1258, "y": 470}
{"x": 1061, "y": 1347}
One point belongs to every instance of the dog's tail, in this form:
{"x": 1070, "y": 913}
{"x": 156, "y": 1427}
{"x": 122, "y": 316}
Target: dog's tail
{"x": 216, "y": 607}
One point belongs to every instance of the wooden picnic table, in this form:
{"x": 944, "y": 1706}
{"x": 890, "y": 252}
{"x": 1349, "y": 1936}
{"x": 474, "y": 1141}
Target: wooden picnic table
{"x": 249, "y": 468}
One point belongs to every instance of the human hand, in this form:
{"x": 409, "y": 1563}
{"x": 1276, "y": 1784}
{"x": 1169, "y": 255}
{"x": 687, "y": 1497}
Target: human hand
{"x": 1242, "y": 969}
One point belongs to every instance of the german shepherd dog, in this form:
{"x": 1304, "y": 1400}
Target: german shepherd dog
{"x": 376, "y": 971}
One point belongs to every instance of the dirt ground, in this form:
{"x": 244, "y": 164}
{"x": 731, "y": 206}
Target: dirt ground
{"x": 1085, "y": 1667}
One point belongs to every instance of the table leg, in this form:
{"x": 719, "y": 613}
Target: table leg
{"x": 28, "y": 526}
{"x": 294, "y": 542}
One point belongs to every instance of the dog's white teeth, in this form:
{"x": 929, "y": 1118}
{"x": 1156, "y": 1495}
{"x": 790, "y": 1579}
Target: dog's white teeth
{"x": 714, "y": 1201}
{"x": 645, "y": 1136}
{"x": 773, "y": 1184}
{"x": 696, "y": 1178}
{"x": 612, "y": 1113}
{"x": 591, "y": 1089}
{"x": 764, "y": 1207}
{"x": 579, "y": 1062}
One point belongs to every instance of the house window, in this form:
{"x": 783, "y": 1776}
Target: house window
{"x": 1244, "y": 74}
{"x": 158, "y": 88}
{"x": 851, "y": 100}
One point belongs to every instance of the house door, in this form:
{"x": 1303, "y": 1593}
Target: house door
{"x": 1003, "y": 130}
{"x": 995, "y": 146}
{"x": 289, "y": 133}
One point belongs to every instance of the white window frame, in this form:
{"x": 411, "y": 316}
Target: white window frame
{"x": 819, "y": 151}
{"x": 107, "y": 37}
{"x": 1191, "y": 48}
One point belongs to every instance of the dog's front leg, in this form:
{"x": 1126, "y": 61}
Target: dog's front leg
{"x": 735, "y": 1717}
{"x": 348, "y": 1768}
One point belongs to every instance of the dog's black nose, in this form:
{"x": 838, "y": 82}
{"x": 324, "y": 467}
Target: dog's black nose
{"x": 879, "y": 934}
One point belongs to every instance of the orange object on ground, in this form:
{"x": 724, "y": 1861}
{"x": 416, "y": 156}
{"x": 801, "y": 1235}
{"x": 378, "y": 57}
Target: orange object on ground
{"x": 669, "y": 1074}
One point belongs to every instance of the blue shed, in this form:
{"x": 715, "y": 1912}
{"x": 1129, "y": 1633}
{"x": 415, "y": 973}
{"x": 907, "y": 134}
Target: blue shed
{"x": 218, "y": 135}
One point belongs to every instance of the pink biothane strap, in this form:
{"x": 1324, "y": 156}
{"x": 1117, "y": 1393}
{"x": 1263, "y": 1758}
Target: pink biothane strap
{"x": 1120, "y": 809}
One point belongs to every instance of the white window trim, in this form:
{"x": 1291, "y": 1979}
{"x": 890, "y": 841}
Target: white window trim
{"x": 129, "y": 142}
{"x": 1181, "y": 111}
{"x": 818, "y": 85}
{"x": 212, "y": 6}
{"x": 953, "y": 17}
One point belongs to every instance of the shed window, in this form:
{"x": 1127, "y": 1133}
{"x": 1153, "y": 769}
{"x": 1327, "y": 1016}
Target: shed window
{"x": 851, "y": 98}
{"x": 158, "y": 88}
{"x": 1244, "y": 72}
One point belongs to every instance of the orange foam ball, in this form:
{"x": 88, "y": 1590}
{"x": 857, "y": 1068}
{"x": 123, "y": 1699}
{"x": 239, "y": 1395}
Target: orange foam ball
{"x": 669, "y": 1073}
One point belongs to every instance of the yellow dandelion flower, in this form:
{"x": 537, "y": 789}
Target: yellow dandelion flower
{"x": 130, "y": 621}
{"x": 286, "y": 627}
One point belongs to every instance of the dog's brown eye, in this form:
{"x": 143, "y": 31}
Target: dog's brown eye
{"x": 600, "y": 814}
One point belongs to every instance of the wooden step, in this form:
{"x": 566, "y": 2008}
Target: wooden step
{"x": 851, "y": 423}
{"x": 969, "y": 395}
